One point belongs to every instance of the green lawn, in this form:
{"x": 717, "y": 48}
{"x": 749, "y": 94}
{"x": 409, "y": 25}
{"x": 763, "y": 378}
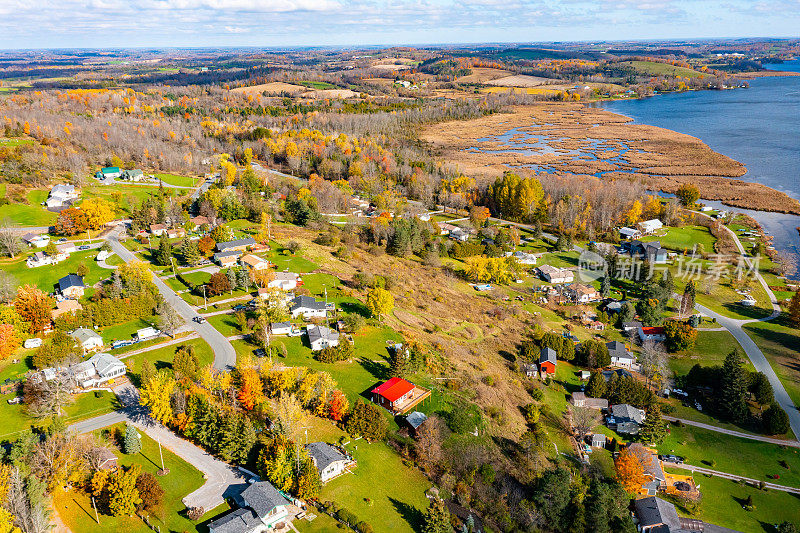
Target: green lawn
{"x": 780, "y": 343}
{"x": 163, "y": 357}
{"x": 75, "y": 507}
{"x": 319, "y": 85}
{"x": 654, "y": 68}
{"x": 709, "y": 350}
{"x": 684, "y": 238}
{"x": 32, "y": 213}
{"x": 733, "y": 455}
{"x": 180, "y": 181}
{"x": 225, "y": 324}
{"x": 46, "y": 277}
{"x": 15, "y": 142}
{"x": 723, "y": 500}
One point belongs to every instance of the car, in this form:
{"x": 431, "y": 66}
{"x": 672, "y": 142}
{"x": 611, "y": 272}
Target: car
{"x": 240, "y": 307}
{"x": 62, "y": 240}
{"x": 672, "y": 459}
{"x": 84, "y": 247}
{"x": 121, "y": 344}
{"x": 15, "y": 400}
{"x": 199, "y": 319}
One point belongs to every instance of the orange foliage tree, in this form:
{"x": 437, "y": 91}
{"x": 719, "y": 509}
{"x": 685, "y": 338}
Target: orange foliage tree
{"x": 338, "y": 406}
{"x": 34, "y": 307}
{"x": 8, "y": 340}
{"x": 251, "y": 390}
{"x": 630, "y": 471}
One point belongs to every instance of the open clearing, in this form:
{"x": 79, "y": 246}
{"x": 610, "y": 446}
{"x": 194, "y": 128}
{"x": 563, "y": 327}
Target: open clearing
{"x": 483, "y": 75}
{"x": 274, "y": 87}
{"x": 519, "y": 80}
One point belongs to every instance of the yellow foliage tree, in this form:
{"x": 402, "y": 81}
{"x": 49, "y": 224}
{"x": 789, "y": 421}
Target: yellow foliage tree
{"x": 155, "y": 395}
{"x": 98, "y": 212}
{"x": 634, "y": 214}
{"x": 630, "y": 471}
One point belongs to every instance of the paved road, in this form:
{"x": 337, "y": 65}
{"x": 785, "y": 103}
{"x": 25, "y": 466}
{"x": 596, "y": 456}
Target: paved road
{"x": 733, "y": 433}
{"x": 733, "y": 477}
{"x": 158, "y": 346}
{"x": 219, "y": 476}
{"x": 224, "y": 353}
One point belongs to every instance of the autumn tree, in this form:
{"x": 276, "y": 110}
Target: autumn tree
{"x": 688, "y": 194}
{"x": 206, "y": 245}
{"x": 99, "y": 211}
{"x": 9, "y": 340}
{"x": 794, "y": 308}
{"x": 150, "y": 492}
{"x": 155, "y": 395}
{"x": 338, "y": 405}
{"x": 251, "y": 390}
{"x": 630, "y": 471}
{"x": 515, "y": 198}
{"x": 437, "y": 518}
{"x": 218, "y": 284}
{"x": 10, "y": 242}
{"x": 380, "y": 302}
{"x": 34, "y": 307}
{"x": 478, "y": 215}
{"x": 123, "y": 496}
{"x": 680, "y": 336}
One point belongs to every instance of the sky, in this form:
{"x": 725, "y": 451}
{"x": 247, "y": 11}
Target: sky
{"x": 284, "y": 23}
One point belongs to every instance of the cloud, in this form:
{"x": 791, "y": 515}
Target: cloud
{"x": 236, "y": 29}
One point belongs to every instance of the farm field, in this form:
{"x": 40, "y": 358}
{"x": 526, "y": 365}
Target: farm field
{"x": 654, "y": 68}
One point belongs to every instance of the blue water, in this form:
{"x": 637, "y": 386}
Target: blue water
{"x": 759, "y": 127}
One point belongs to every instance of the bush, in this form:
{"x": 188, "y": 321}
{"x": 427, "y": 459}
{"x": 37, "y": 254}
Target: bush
{"x": 195, "y": 513}
{"x": 347, "y": 517}
{"x": 363, "y": 527}
{"x": 537, "y": 395}
{"x": 775, "y": 420}
{"x": 367, "y": 420}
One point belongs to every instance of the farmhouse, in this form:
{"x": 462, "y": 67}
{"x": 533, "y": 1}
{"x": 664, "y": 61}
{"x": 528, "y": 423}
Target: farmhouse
{"x": 262, "y": 508}
{"x": 650, "y": 251}
{"x": 459, "y": 234}
{"x": 320, "y": 337}
{"x": 253, "y": 262}
{"x": 398, "y": 395}
{"x": 286, "y": 281}
{"x": 552, "y": 274}
{"x": 308, "y": 307}
{"x": 581, "y": 294}
{"x": 87, "y": 339}
{"x": 329, "y": 460}
{"x": 109, "y": 172}
{"x": 625, "y": 418}
{"x": 651, "y": 333}
{"x": 133, "y": 175}
{"x": 71, "y": 286}
{"x": 547, "y": 361}
{"x": 281, "y": 328}
{"x": 61, "y": 195}
{"x": 650, "y": 226}
{"x": 620, "y": 356}
{"x": 238, "y": 244}
{"x": 226, "y": 259}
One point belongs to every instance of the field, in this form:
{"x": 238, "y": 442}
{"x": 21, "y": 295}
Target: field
{"x": 483, "y": 75}
{"x": 31, "y": 213}
{"x": 653, "y": 68}
{"x": 75, "y": 508}
{"x": 781, "y": 346}
{"x": 709, "y": 350}
{"x": 46, "y": 277}
{"x": 180, "y": 181}
{"x": 519, "y": 81}
{"x": 683, "y": 238}
{"x": 275, "y": 87}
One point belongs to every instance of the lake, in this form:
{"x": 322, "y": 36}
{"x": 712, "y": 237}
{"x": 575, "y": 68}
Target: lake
{"x": 759, "y": 127}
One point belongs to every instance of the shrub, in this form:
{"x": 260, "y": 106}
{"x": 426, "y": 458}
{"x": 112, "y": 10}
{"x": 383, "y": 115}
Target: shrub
{"x": 537, "y": 395}
{"x": 367, "y": 420}
{"x": 347, "y": 517}
{"x": 363, "y": 527}
{"x": 195, "y": 513}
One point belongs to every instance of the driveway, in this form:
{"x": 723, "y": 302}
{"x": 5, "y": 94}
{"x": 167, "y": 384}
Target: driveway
{"x": 733, "y": 433}
{"x": 733, "y": 477}
{"x": 220, "y": 477}
{"x": 224, "y": 354}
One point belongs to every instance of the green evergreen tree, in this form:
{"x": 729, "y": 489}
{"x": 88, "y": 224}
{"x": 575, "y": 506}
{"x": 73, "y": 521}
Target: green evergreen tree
{"x": 733, "y": 389}
{"x": 163, "y": 256}
{"x": 232, "y": 280}
{"x": 605, "y": 287}
{"x": 596, "y": 388}
{"x": 132, "y": 442}
{"x": 794, "y": 308}
{"x": 775, "y": 420}
{"x": 654, "y": 428}
{"x": 437, "y": 518}
{"x": 190, "y": 252}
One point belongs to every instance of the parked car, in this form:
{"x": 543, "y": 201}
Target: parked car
{"x": 121, "y": 344}
{"x": 671, "y": 459}
{"x": 62, "y": 240}
{"x": 199, "y": 319}
{"x": 240, "y": 307}
{"x": 84, "y": 247}
{"x": 15, "y": 400}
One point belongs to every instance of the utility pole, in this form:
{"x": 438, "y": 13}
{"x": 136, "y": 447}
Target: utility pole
{"x": 205, "y": 302}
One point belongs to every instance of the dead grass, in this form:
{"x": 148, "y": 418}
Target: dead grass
{"x": 519, "y": 80}
{"x": 330, "y": 93}
{"x": 661, "y": 158}
{"x": 275, "y": 87}
{"x": 483, "y": 75}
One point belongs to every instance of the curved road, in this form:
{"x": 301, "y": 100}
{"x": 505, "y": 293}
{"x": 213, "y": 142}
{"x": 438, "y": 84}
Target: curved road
{"x": 224, "y": 353}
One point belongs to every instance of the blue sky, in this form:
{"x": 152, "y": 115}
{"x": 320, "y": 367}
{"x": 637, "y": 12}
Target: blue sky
{"x": 158, "y": 23}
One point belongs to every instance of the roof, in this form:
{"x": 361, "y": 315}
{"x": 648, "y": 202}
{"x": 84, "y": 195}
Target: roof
{"x": 393, "y": 389}
{"x": 252, "y": 260}
{"x": 229, "y": 253}
{"x": 652, "y": 330}
{"x": 71, "y": 280}
{"x": 627, "y": 411}
{"x": 104, "y": 362}
{"x": 307, "y": 302}
{"x": 652, "y": 511}
{"x": 62, "y": 189}
{"x": 580, "y": 289}
{"x": 416, "y": 419}
{"x": 648, "y": 459}
{"x": 628, "y": 231}
{"x": 316, "y": 333}
{"x": 281, "y": 325}
{"x": 249, "y": 241}
{"x": 285, "y": 276}
{"x": 199, "y": 220}
{"x": 262, "y": 497}
{"x": 66, "y": 306}
{"x": 547, "y": 269}
{"x": 324, "y": 454}
{"x": 238, "y": 521}
{"x": 547, "y": 355}
{"x": 109, "y": 170}
{"x": 634, "y": 324}
{"x": 619, "y": 350}
{"x": 83, "y": 334}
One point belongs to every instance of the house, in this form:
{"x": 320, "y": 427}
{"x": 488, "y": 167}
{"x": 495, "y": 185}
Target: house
{"x": 459, "y": 234}
{"x": 197, "y": 222}
{"x": 253, "y": 262}
{"x": 61, "y": 195}
{"x": 106, "y": 460}
{"x": 415, "y": 420}
{"x": 176, "y": 233}
{"x": 133, "y": 175}
{"x": 329, "y": 460}
{"x": 651, "y": 333}
{"x": 631, "y": 328}
{"x": 71, "y": 286}
{"x": 651, "y": 466}
{"x": 36, "y": 241}
{"x": 581, "y": 294}
{"x": 32, "y": 343}
{"x": 629, "y": 233}
{"x": 66, "y": 248}
{"x": 579, "y": 399}
{"x": 158, "y": 229}
{"x": 281, "y": 328}
{"x": 109, "y": 172}
{"x": 529, "y": 369}
{"x": 320, "y": 337}
{"x": 649, "y": 251}
{"x": 620, "y": 356}
{"x": 625, "y": 418}
{"x": 98, "y": 369}
{"x": 650, "y": 226}
{"x": 286, "y": 281}
{"x": 262, "y": 508}
{"x": 552, "y": 274}
{"x": 87, "y": 339}
{"x": 659, "y": 516}
{"x": 398, "y": 395}
{"x": 308, "y": 307}
{"x": 238, "y": 244}
{"x": 227, "y": 259}
{"x": 42, "y": 259}
{"x": 598, "y": 440}
{"x": 524, "y": 258}
{"x": 147, "y": 334}
{"x": 445, "y": 228}
{"x": 608, "y": 375}
{"x": 547, "y": 361}
{"x": 66, "y": 306}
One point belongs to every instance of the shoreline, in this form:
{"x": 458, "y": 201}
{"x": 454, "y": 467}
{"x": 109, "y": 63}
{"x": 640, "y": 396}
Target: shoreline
{"x": 767, "y": 74}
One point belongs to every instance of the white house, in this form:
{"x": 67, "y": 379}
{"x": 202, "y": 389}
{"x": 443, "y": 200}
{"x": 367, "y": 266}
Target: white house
{"x": 629, "y": 233}
{"x": 329, "y": 460}
{"x": 36, "y": 241}
{"x": 651, "y": 333}
{"x": 552, "y": 274}
{"x": 286, "y": 281}
{"x": 321, "y": 337}
{"x": 87, "y": 339}
{"x": 98, "y": 369}
{"x": 41, "y": 259}
{"x": 61, "y": 195}
{"x": 620, "y": 356}
{"x": 147, "y": 334}
{"x": 459, "y": 234}
{"x": 308, "y": 307}
{"x": 158, "y": 229}
{"x": 581, "y": 294}
{"x": 650, "y": 226}
{"x": 524, "y": 258}
{"x": 281, "y": 328}
{"x": 262, "y": 507}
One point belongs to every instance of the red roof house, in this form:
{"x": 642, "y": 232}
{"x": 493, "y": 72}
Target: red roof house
{"x": 392, "y": 393}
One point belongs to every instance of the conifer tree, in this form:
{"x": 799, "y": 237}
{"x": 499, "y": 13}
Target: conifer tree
{"x": 132, "y": 443}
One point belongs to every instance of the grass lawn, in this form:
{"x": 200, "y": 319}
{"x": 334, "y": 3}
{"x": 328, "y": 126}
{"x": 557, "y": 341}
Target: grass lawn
{"x": 723, "y": 500}
{"x": 684, "y": 238}
{"x": 780, "y": 343}
{"x": 225, "y": 324}
{"x": 560, "y": 259}
{"x": 292, "y": 263}
{"x": 733, "y": 455}
{"x": 46, "y": 277}
{"x": 124, "y": 196}
{"x": 709, "y": 350}
{"x": 32, "y": 213}
{"x": 654, "y": 68}
{"x": 75, "y": 507}
{"x": 125, "y": 330}
{"x": 163, "y": 357}
{"x": 180, "y": 181}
